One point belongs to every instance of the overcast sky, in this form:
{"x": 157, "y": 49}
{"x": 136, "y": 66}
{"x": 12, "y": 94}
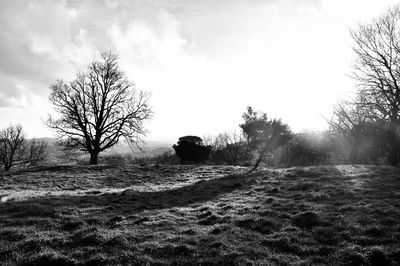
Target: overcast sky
{"x": 204, "y": 61}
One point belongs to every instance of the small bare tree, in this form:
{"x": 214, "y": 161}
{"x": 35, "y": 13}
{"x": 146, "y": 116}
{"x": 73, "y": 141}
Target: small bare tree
{"x": 351, "y": 120}
{"x": 229, "y": 148}
{"x": 15, "y": 150}
{"x": 367, "y": 135}
{"x": 98, "y": 108}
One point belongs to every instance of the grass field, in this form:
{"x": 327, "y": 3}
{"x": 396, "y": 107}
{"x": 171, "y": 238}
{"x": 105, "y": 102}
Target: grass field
{"x": 201, "y": 215}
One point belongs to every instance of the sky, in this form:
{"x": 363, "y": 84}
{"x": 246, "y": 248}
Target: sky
{"x": 203, "y": 61}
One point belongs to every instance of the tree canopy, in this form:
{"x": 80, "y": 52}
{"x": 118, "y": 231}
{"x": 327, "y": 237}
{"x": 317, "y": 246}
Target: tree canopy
{"x": 263, "y": 135}
{"x": 190, "y": 149}
{"x": 377, "y": 70}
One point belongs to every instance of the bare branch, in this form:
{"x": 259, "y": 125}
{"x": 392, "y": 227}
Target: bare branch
{"x": 99, "y": 107}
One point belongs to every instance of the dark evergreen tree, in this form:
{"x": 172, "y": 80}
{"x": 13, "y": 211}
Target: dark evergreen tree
{"x": 190, "y": 149}
{"x": 263, "y": 135}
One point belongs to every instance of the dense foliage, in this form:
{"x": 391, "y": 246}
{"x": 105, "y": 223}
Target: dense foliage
{"x": 190, "y": 149}
{"x": 263, "y": 135}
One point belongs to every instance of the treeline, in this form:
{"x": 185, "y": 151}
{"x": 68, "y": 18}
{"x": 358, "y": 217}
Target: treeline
{"x": 372, "y": 145}
{"x": 370, "y": 122}
{"x": 270, "y": 142}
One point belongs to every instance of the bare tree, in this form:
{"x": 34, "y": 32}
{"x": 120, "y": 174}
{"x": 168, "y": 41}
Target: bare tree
{"x": 98, "y": 108}
{"x": 377, "y": 67}
{"x": 230, "y": 148}
{"x": 352, "y": 120}
{"x": 368, "y": 137}
{"x": 15, "y": 150}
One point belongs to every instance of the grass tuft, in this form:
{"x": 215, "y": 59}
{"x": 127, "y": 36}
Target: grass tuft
{"x": 48, "y": 258}
{"x": 307, "y": 220}
{"x": 260, "y": 225}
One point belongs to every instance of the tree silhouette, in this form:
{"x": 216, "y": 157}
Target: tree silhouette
{"x": 228, "y": 148}
{"x": 15, "y": 150}
{"x": 98, "y": 108}
{"x": 263, "y": 135}
{"x": 354, "y": 121}
{"x": 369, "y": 138}
{"x": 377, "y": 68}
{"x": 191, "y": 149}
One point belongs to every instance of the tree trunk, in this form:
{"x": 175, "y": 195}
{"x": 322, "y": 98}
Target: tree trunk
{"x": 394, "y": 142}
{"x": 354, "y": 151}
{"x": 94, "y": 158}
{"x": 256, "y": 164}
{"x": 393, "y": 157}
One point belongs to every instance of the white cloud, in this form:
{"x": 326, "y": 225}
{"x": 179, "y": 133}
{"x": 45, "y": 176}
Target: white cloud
{"x": 203, "y": 61}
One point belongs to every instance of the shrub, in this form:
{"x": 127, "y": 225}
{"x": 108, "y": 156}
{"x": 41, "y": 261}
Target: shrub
{"x": 190, "y": 149}
{"x": 231, "y": 154}
{"x": 229, "y": 148}
{"x": 301, "y": 154}
{"x": 263, "y": 135}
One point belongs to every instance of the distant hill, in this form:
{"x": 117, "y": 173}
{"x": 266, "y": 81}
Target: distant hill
{"x": 149, "y": 148}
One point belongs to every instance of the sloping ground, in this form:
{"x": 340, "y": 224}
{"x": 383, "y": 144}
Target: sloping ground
{"x": 185, "y": 215}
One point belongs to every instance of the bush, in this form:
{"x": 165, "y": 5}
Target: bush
{"x": 231, "y": 154}
{"x": 304, "y": 150}
{"x": 190, "y": 149}
{"x": 263, "y": 135}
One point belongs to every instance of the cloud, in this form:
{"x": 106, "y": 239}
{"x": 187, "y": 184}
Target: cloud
{"x": 203, "y": 61}
{"x": 30, "y": 48}
{"x": 147, "y": 44}
{"x": 49, "y": 40}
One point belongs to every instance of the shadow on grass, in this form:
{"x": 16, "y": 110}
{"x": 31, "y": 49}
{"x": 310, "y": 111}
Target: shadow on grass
{"x": 69, "y": 168}
{"x": 127, "y": 201}
{"x": 301, "y": 216}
